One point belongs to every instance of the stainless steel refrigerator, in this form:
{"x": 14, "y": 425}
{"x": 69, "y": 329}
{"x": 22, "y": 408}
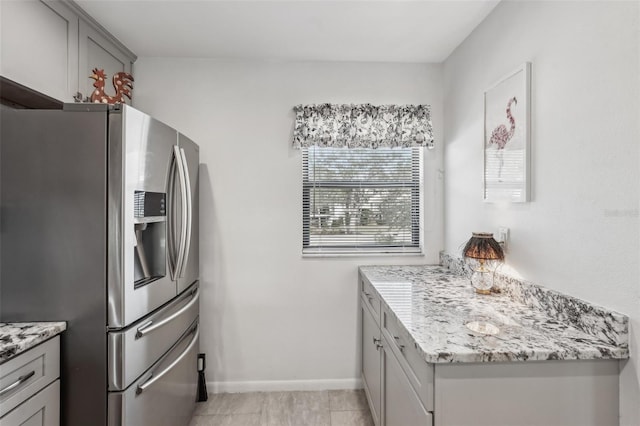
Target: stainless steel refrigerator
{"x": 99, "y": 228}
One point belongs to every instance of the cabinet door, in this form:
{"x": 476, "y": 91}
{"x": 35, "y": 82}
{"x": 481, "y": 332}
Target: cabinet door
{"x": 371, "y": 373}
{"x": 402, "y": 407}
{"x": 566, "y": 393}
{"x": 96, "y": 51}
{"x": 39, "y": 46}
{"x": 42, "y": 409}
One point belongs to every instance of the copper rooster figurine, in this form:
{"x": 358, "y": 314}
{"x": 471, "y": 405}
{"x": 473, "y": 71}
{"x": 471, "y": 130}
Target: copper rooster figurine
{"x": 121, "y": 82}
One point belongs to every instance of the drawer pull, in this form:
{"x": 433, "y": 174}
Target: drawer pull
{"x": 17, "y": 383}
{"x": 401, "y": 347}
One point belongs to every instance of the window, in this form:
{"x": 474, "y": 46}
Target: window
{"x": 362, "y": 200}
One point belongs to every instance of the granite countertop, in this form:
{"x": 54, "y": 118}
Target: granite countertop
{"x": 433, "y": 305}
{"x": 17, "y": 337}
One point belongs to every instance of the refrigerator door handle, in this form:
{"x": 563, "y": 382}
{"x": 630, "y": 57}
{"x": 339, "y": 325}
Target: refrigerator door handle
{"x": 188, "y": 214}
{"x": 150, "y": 326}
{"x": 184, "y": 209}
{"x": 155, "y": 377}
{"x": 171, "y": 225}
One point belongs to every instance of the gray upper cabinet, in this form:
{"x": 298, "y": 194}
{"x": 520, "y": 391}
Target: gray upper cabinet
{"x": 97, "y": 51}
{"x": 51, "y": 46}
{"x": 39, "y": 46}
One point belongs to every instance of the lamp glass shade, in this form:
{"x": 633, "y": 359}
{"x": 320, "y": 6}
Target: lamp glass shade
{"x": 483, "y": 246}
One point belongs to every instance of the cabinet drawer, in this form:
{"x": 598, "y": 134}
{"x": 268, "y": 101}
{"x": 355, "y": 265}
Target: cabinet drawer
{"x": 370, "y": 298}
{"x": 418, "y": 371}
{"x": 43, "y": 409}
{"x": 28, "y": 373}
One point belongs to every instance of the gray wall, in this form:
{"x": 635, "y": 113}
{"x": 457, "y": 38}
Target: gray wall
{"x": 580, "y": 234}
{"x": 272, "y": 319}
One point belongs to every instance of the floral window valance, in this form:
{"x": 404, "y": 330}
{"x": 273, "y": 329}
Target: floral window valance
{"x": 362, "y": 126}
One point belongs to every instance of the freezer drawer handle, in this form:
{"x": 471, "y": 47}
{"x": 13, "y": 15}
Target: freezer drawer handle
{"x": 154, "y": 378}
{"x": 17, "y": 383}
{"x": 151, "y": 326}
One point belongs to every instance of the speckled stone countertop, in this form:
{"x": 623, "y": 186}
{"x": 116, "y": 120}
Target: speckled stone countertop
{"x": 433, "y": 305}
{"x": 17, "y": 337}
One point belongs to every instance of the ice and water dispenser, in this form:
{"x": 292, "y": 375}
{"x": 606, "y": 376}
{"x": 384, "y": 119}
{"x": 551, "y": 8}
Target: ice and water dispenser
{"x": 150, "y": 219}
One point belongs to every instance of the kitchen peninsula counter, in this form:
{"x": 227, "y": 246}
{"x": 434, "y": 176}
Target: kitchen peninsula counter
{"x": 18, "y": 337}
{"x": 433, "y": 304}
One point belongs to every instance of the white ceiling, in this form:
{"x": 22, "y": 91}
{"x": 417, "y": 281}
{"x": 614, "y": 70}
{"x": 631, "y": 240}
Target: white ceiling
{"x": 299, "y": 30}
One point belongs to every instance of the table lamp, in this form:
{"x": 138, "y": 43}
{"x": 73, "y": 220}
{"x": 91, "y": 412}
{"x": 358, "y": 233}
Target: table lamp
{"x": 483, "y": 247}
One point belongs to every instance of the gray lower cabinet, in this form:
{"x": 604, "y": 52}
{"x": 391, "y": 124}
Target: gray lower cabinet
{"x": 398, "y": 393}
{"x": 402, "y": 406}
{"x": 404, "y": 390}
{"x": 549, "y": 393}
{"x": 30, "y": 387}
{"x": 42, "y": 409}
{"x": 371, "y": 361}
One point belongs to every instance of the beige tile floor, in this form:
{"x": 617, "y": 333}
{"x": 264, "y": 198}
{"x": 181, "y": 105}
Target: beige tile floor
{"x": 316, "y": 408}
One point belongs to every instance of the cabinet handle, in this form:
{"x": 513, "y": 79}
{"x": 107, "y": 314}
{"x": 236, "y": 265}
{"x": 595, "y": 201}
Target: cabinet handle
{"x": 78, "y": 97}
{"x": 377, "y": 344}
{"x": 401, "y": 347}
{"x": 17, "y": 383}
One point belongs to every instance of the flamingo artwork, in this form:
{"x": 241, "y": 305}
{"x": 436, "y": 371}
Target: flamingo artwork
{"x": 500, "y": 135}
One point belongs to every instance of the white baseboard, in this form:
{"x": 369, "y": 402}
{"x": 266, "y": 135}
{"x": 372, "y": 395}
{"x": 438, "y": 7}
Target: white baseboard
{"x": 283, "y": 385}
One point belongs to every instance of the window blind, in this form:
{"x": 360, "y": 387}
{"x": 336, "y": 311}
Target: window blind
{"x": 362, "y": 200}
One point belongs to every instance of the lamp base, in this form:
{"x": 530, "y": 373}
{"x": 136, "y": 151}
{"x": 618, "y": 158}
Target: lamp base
{"x": 482, "y": 279}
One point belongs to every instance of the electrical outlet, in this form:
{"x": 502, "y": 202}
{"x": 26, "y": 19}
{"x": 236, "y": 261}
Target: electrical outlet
{"x": 503, "y": 236}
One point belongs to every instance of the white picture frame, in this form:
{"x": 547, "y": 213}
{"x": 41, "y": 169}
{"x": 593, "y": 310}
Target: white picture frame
{"x": 507, "y": 134}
